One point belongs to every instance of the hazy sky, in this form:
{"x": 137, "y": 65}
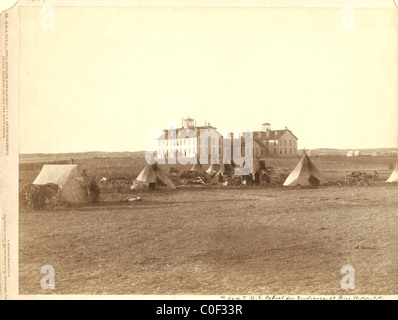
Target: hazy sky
{"x": 104, "y": 78}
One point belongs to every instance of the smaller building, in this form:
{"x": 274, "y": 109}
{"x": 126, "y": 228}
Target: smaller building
{"x": 274, "y": 143}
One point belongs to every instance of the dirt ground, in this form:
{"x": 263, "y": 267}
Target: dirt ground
{"x": 218, "y": 241}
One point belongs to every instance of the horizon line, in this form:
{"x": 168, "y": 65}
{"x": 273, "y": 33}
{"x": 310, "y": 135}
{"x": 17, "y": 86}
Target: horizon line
{"x": 136, "y": 151}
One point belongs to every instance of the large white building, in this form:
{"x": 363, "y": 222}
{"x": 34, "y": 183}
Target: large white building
{"x": 187, "y": 146}
{"x": 266, "y": 143}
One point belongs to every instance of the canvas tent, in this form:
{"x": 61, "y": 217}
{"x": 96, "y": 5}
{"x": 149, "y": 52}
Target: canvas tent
{"x": 152, "y": 176}
{"x": 69, "y": 180}
{"x": 350, "y": 153}
{"x": 305, "y": 174}
{"x": 394, "y": 176}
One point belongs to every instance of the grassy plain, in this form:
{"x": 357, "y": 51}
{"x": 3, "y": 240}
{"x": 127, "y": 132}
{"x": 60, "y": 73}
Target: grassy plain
{"x": 219, "y": 240}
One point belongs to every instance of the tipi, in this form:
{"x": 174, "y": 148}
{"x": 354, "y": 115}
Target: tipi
{"x": 305, "y": 174}
{"x": 394, "y": 176}
{"x": 151, "y": 176}
{"x": 69, "y": 180}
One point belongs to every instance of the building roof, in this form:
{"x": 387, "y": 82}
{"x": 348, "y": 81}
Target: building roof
{"x": 260, "y": 143}
{"x": 271, "y": 134}
{"x": 258, "y": 136}
{"x": 165, "y": 134}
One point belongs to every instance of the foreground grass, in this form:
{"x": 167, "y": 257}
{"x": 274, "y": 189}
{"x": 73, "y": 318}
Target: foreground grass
{"x": 217, "y": 242}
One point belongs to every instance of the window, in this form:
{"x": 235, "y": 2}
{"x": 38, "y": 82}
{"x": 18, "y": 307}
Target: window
{"x": 285, "y": 142}
{"x": 285, "y": 151}
{"x": 274, "y": 150}
{"x": 290, "y": 150}
{"x": 290, "y": 142}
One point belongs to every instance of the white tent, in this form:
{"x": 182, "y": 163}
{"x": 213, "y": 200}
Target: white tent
{"x": 152, "y": 176}
{"x": 394, "y": 176}
{"x": 305, "y": 174}
{"x": 350, "y": 153}
{"x": 69, "y": 180}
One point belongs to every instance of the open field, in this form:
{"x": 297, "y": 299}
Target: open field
{"x": 217, "y": 241}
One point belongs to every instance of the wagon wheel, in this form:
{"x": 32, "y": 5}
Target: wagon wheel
{"x": 25, "y": 196}
{"x": 51, "y": 194}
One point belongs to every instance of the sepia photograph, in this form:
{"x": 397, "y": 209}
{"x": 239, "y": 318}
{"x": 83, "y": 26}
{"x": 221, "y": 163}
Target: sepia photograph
{"x": 235, "y": 150}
